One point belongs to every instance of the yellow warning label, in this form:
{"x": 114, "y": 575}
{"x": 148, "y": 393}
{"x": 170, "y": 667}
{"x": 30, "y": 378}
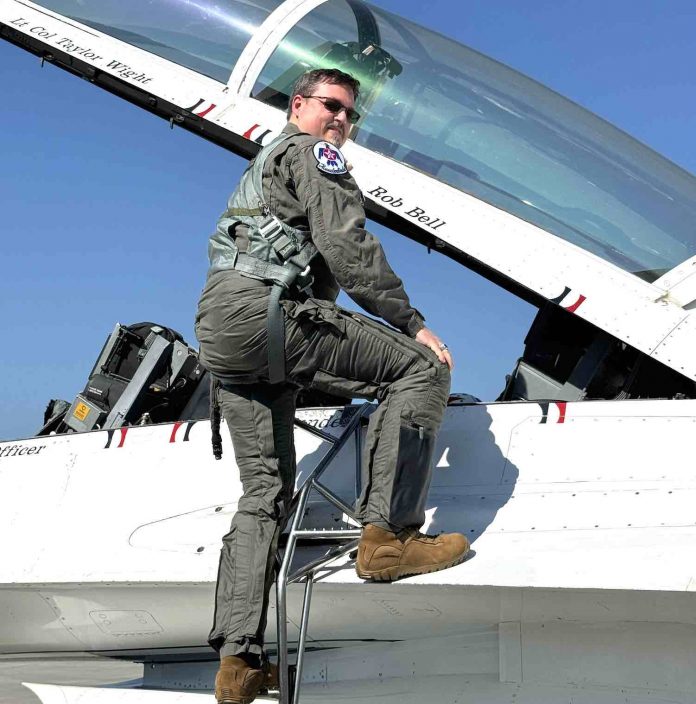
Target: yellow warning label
{"x": 81, "y": 411}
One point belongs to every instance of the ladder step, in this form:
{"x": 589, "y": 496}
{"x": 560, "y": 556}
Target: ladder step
{"x": 322, "y": 534}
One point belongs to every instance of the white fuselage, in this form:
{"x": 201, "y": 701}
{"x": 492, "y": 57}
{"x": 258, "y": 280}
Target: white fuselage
{"x": 581, "y": 517}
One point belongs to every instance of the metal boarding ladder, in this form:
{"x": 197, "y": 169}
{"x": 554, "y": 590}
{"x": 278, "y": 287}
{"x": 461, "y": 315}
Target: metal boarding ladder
{"x": 347, "y": 539}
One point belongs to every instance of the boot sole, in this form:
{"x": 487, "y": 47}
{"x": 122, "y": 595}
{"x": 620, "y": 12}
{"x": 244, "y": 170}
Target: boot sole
{"x": 391, "y": 574}
{"x": 235, "y": 699}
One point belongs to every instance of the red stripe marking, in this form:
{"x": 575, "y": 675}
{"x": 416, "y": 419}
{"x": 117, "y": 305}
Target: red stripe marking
{"x": 247, "y": 134}
{"x": 206, "y": 111}
{"x": 562, "y": 411}
{"x": 177, "y": 425}
{"x": 576, "y": 305}
{"x": 123, "y": 436}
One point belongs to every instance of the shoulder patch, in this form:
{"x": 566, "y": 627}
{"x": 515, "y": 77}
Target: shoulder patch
{"x": 329, "y": 159}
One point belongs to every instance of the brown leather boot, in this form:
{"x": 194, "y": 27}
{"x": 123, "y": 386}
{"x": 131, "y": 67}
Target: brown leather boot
{"x": 237, "y": 682}
{"x": 385, "y": 556}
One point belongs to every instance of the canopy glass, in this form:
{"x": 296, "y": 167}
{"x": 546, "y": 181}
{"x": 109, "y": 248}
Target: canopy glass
{"x": 207, "y": 36}
{"x": 489, "y": 131}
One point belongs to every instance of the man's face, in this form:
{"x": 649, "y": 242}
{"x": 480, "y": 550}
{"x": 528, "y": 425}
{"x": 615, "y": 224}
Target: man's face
{"x": 312, "y": 117}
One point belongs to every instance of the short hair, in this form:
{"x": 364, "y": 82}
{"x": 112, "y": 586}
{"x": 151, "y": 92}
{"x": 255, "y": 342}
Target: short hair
{"x": 307, "y": 82}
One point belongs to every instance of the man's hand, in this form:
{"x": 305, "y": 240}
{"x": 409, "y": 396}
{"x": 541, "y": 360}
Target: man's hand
{"x": 430, "y": 339}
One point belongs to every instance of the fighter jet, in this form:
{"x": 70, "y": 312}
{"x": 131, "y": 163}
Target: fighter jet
{"x": 573, "y": 485}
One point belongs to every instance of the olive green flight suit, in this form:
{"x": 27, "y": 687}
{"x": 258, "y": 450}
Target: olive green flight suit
{"x": 328, "y": 348}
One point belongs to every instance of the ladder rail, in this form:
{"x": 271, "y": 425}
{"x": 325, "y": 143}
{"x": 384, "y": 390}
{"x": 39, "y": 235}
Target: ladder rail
{"x": 337, "y": 445}
{"x": 308, "y": 571}
{"x": 332, "y": 498}
{"x": 315, "y": 565}
{"x": 281, "y": 594}
{"x": 315, "y": 431}
{"x": 309, "y": 584}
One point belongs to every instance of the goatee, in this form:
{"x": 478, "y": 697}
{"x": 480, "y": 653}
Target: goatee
{"x": 336, "y": 138}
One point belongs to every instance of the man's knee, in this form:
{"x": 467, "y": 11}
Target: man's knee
{"x": 443, "y": 380}
{"x": 430, "y": 376}
{"x": 425, "y": 395}
{"x": 266, "y": 499}
{"x": 440, "y": 389}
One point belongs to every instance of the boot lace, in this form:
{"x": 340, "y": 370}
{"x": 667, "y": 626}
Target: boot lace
{"x": 417, "y": 535}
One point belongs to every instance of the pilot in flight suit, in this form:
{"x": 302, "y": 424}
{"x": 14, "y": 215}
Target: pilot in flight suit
{"x": 311, "y": 210}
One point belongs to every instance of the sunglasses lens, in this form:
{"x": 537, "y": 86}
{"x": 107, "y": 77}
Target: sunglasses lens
{"x": 333, "y": 106}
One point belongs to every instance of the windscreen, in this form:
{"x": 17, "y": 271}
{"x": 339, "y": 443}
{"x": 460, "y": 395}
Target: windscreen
{"x": 206, "y": 36}
{"x": 487, "y": 130}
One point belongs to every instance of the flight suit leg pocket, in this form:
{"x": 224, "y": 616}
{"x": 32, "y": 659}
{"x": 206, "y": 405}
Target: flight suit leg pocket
{"x": 412, "y": 476}
{"x": 349, "y": 388}
{"x": 317, "y": 312}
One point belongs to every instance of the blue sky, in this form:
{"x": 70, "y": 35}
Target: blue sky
{"x": 106, "y": 212}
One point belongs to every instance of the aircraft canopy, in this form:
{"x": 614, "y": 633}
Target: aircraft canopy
{"x": 446, "y": 110}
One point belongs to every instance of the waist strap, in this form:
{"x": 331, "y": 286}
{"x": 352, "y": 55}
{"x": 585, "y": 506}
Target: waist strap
{"x": 284, "y": 275}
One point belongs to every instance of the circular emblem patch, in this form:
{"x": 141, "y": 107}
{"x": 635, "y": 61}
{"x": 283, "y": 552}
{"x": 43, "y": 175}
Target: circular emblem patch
{"x": 329, "y": 159}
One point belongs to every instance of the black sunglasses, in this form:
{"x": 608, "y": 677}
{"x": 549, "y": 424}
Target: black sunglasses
{"x": 335, "y": 106}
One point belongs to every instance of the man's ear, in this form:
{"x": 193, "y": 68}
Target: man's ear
{"x": 296, "y": 103}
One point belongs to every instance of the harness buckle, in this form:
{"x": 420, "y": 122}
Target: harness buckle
{"x": 305, "y": 274}
{"x": 270, "y": 229}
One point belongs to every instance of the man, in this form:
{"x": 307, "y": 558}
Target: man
{"x": 297, "y": 221}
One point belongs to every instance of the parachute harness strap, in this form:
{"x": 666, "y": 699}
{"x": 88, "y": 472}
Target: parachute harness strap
{"x": 215, "y": 438}
{"x": 277, "y": 253}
